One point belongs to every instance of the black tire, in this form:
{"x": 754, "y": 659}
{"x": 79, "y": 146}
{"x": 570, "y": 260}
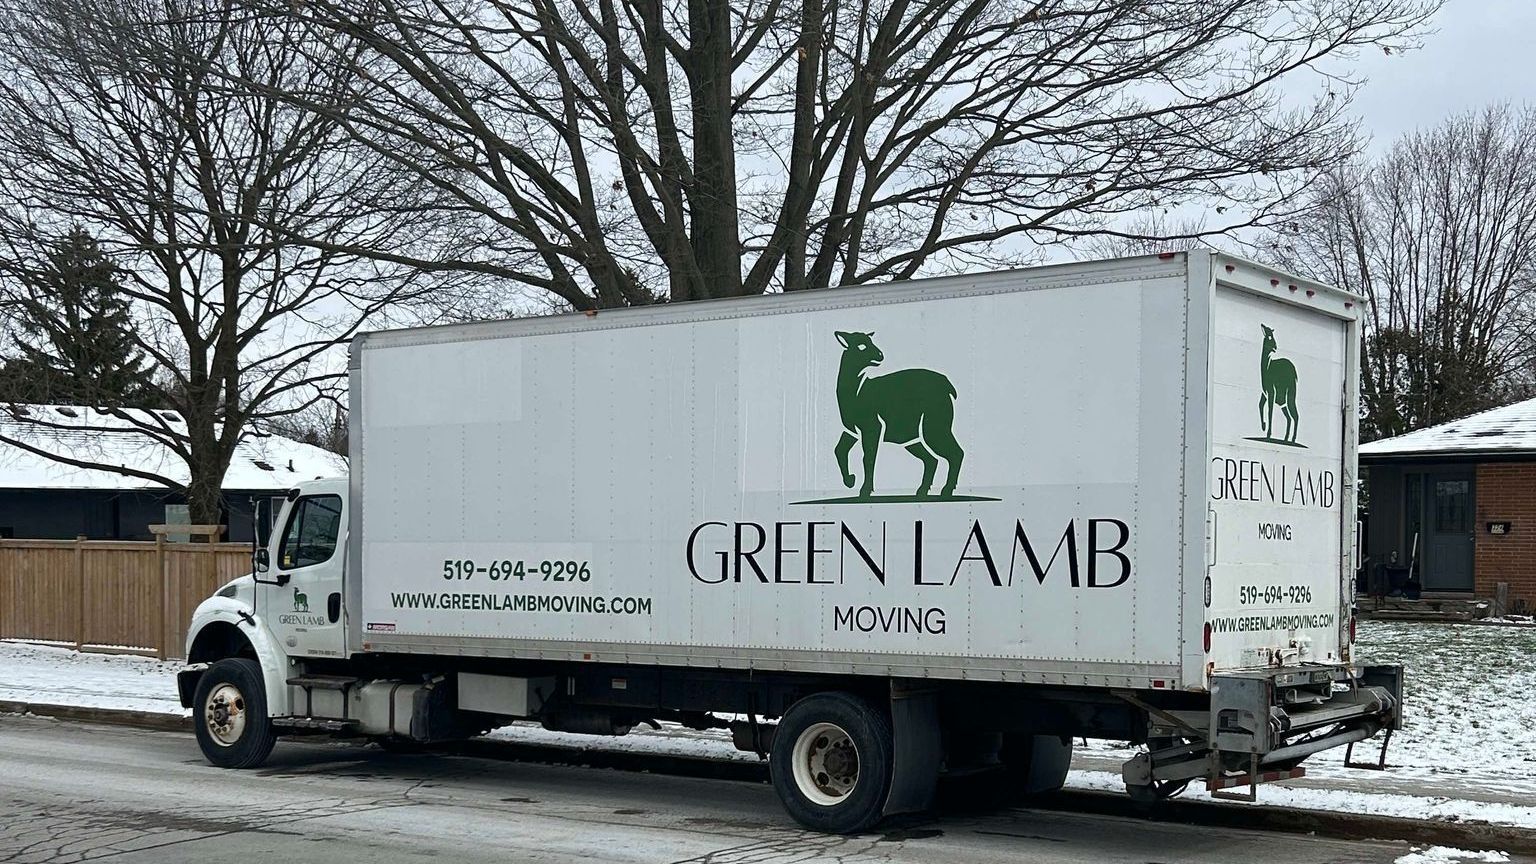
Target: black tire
{"x": 230, "y": 691}
{"x": 802, "y": 738}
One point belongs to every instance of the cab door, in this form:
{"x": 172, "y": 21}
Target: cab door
{"x": 303, "y": 590}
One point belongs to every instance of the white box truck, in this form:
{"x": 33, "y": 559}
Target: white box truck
{"x": 878, "y": 532}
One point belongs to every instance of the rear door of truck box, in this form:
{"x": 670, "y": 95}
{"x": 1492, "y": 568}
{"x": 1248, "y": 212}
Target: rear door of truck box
{"x": 1280, "y": 476}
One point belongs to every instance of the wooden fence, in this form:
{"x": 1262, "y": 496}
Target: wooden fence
{"x": 109, "y": 595}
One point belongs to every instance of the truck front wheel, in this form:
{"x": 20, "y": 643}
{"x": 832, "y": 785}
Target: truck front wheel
{"x": 230, "y": 714}
{"x": 831, "y": 762}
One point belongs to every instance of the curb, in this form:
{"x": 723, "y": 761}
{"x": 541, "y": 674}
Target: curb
{"x": 1284, "y": 820}
{"x": 113, "y": 716}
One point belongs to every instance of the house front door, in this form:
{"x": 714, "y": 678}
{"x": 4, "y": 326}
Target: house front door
{"x": 1448, "y": 519}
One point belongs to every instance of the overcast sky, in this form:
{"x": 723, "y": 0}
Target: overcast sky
{"x": 1482, "y": 52}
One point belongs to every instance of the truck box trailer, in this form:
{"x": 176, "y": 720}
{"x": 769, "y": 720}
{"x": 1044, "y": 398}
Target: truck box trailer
{"x": 879, "y": 532}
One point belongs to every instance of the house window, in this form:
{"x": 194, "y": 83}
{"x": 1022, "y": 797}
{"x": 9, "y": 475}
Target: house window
{"x": 312, "y": 531}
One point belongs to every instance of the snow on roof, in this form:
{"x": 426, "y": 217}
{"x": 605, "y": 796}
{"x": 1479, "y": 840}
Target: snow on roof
{"x": 1511, "y": 429}
{"x": 261, "y": 462}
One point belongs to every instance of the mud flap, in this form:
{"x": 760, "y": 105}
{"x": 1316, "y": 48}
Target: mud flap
{"x": 918, "y": 750}
{"x": 1050, "y": 758}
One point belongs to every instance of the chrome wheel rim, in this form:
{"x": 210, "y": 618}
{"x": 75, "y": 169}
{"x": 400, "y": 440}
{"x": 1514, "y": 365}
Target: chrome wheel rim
{"x": 224, "y": 714}
{"x": 826, "y": 764}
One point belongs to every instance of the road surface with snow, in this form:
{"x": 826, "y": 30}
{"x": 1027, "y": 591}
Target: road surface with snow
{"x": 79, "y": 792}
{"x": 1465, "y": 754}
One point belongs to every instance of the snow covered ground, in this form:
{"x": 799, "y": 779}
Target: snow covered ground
{"x": 1467, "y": 752}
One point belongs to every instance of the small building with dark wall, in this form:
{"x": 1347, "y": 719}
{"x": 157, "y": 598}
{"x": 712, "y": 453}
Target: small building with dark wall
{"x": 43, "y": 499}
{"x": 1456, "y": 503}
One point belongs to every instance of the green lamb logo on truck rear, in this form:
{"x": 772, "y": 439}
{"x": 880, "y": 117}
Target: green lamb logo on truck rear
{"x": 914, "y": 408}
{"x": 1277, "y": 387}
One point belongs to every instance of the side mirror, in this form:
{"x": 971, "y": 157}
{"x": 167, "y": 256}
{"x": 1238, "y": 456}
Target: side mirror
{"x": 261, "y": 559}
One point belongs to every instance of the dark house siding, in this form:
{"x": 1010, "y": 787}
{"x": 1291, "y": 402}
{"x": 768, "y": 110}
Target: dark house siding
{"x": 1501, "y": 489}
{"x": 104, "y": 514}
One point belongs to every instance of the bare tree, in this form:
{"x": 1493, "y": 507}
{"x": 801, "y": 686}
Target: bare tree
{"x": 1440, "y": 237}
{"x": 1148, "y": 234}
{"x": 224, "y": 212}
{"x": 322, "y": 425}
{"x": 624, "y": 151}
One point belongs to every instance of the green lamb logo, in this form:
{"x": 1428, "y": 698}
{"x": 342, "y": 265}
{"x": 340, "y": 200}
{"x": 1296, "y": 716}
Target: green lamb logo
{"x": 300, "y": 601}
{"x": 1277, "y": 386}
{"x": 914, "y": 408}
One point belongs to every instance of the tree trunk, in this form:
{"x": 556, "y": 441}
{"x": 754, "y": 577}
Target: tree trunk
{"x": 712, "y": 200}
{"x": 800, "y": 193}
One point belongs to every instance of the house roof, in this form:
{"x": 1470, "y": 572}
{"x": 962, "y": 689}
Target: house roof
{"x": 261, "y": 462}
{"x": 1501, "y": 431}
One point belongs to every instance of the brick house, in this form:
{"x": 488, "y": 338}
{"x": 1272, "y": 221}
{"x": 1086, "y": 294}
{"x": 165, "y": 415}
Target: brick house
{"x": 1456, "y": 503}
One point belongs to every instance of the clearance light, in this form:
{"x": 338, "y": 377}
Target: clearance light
{"x": 1207, "y": 637}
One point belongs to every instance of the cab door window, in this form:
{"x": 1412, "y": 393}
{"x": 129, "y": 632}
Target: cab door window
{"x": 310, "y": 537}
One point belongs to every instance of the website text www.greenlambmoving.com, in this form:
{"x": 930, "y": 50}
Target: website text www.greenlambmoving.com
{"x": 490, "y": 602}
{"x": 1257, "y": 623}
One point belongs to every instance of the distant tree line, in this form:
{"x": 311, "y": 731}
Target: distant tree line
{"x": 1439, "y": 235}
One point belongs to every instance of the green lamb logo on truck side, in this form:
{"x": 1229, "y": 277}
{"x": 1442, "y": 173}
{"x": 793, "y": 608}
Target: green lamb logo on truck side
{"x": 911, "y": 407}
{"x": 1277, "y": 386}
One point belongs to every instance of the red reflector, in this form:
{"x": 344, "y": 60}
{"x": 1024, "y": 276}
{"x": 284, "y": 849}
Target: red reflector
{"x": 1311, "y": 293}
{"x": 1165, "y": 255}
{"x": 1351, "y": 629}
{"x": 1207, "y": 637}
{"x": 1157, "y": 682}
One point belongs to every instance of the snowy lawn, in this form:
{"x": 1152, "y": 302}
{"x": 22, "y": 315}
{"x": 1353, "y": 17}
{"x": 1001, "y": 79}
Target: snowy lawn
{"x": 1467, "y": 752}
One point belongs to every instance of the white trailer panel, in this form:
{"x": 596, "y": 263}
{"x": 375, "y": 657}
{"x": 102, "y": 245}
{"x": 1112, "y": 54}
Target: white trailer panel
{"x": 663, "y": 485}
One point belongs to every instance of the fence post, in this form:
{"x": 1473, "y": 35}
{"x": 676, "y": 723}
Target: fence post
{"x": 165, "y": 586}
{"x": 79, "y": 591}
{"x": 167, "y": 590}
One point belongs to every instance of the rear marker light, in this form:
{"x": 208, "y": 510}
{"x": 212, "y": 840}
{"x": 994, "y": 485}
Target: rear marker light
{"x": 1207, "y": 637}
{"x": 1351, "y": 628}
{"x": 1311, "y": 293}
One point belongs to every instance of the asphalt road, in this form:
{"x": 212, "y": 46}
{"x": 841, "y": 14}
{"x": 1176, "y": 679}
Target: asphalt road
{"x": 80, "y": 792}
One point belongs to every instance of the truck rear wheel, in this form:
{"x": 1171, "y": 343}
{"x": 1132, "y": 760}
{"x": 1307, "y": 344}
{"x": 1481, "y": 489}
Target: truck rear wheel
{"x": 230, "y": 714}
{"x": 831, "y": 762}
